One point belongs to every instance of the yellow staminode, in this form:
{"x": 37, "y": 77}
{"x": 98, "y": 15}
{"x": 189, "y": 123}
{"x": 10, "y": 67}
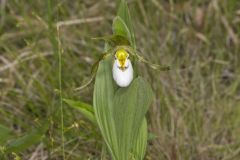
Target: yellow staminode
{"x": 121, "y": 56}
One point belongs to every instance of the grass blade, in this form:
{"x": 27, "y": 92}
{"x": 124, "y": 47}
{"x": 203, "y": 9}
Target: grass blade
{"x": 24, "y": 142}
{"x": 85, "y": 109}
{"x": 4, "y": 134}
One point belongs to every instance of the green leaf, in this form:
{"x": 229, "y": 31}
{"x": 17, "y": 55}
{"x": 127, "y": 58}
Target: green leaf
{"x": 130, "y": 107}
{"x": 115, "y": 40}
{"x": 24, "y": 142}
{"x": 120, "y": 28}
{"x": 103, "y": 95}
{"x": 84, "y": 108}
{"x": 5, "y": 134}
{"x": 123, "y": 13}
{"x": 140, "y": 143}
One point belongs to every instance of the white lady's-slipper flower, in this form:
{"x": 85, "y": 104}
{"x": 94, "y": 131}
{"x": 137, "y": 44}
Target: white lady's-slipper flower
{"x": 122, "y": 68}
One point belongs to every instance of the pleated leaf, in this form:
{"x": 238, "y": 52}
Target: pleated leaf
{"x": 140, "y": 143}
{"x": 130, "y": 107}
{"x": 103, "y": 105}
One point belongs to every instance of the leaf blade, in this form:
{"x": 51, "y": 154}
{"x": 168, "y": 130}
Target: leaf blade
{"x": 4, "y": 134}
{"x": 123, "y": 12}
{"x": 103, "y": 104}
{"x": 85, "y": 109}
{"x": 24, "y": 142}
{"x": 140, "y": 143}
{"x": 131, "y": 105}
{"x": 120, "y": 28}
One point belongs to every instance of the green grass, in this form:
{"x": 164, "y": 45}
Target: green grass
{"x": 196, "y": 109}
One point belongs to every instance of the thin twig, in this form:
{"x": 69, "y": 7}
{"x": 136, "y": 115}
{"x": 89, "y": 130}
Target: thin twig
{"x": 35, "y": 153}
{"x": 159, "y": 6}
{"x": 22, "y": 58}
{"x": 60, "y": 51}
{"x": 78, "y": 21}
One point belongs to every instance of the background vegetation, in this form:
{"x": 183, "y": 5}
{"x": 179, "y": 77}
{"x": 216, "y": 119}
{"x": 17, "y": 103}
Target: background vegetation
{"x": 196, "y": 109}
